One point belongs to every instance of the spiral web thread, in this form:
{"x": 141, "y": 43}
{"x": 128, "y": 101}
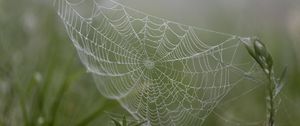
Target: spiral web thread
{"x": 161, "y": 71}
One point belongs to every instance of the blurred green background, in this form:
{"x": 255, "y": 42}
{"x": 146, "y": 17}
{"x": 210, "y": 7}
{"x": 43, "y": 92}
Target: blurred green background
{"x": 42, "y": 81}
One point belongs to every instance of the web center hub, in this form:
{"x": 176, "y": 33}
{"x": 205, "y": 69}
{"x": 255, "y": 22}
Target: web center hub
{"x": 149, "y": 64}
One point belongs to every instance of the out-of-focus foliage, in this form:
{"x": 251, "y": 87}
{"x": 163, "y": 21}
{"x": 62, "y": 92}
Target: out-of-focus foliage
{"x": 125, "y": 122}
{"x": 42, "y": 81}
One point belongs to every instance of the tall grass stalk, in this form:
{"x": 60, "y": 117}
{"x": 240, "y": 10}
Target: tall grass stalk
{"x": 260, "y": 54}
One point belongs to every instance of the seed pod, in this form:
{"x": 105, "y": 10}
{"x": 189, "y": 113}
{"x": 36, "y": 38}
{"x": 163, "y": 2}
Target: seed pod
{"x": 269, "y": 60}
{"x": 260, "y": 48}
{"x": 249, "y": 45}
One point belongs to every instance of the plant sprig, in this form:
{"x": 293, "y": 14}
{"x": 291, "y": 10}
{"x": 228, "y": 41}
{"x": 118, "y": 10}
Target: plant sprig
{"x": 261, "y": 55}
{"x": 126, "y": 123}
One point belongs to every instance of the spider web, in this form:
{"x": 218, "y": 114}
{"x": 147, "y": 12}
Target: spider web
{"x": 161, "y": 71}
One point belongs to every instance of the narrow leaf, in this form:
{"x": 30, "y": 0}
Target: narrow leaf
{"x": 139, "y": 124}
{"x": 280, "y": 84}
{"x": 116, "y": 122}
{"x": 283, "y": 74}
{"x": 278, "y": 89}
{"x": 124, "y": 121}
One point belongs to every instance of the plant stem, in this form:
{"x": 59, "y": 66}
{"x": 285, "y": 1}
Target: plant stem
{"x": 260, "y": 54}
{"x": 271, "y": 101}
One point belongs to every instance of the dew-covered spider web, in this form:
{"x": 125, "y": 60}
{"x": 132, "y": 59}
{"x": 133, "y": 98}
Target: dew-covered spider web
{"x": 161, "y": 71}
